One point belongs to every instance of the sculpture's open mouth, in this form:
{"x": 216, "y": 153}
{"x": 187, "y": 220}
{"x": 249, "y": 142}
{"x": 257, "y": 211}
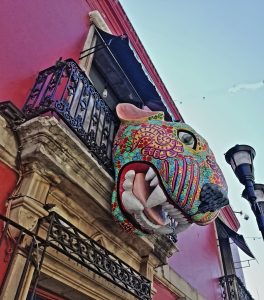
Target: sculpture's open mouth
{"x": 143, "y": 198}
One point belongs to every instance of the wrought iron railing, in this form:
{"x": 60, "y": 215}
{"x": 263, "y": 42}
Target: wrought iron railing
{"x": 65, "y": 89}
{"x": 74, "y": 244}
{"x": 69, "y": 240}
{"x": 15, "y": 238}
{"x": 233, "y": 288}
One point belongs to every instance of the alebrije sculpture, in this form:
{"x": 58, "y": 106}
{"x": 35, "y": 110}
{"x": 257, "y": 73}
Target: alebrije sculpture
{"x": 166, "y": 176}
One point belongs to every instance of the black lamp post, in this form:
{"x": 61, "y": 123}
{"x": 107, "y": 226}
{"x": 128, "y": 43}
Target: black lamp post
{"x": 241, "y": 157}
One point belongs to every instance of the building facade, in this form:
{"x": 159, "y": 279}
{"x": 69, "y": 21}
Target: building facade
{"x": 65, "y": 65}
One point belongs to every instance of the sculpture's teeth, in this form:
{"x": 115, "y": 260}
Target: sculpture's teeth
{"x": 164, "y": 230}
{"x": 139, "y": 220}
{"x": 130, "y": 175}
{"x": 144, "y": 221}
{"x": 131, "y": 203}
{"x": 175, "y": 212}
{"x": 176, "y": 217}
{"x": 181, "y": 227}
{"x": 154, "y": 181}
{"x": 167, "y": 221}
{"x": 128, "y": 184}
{"x": 157, "y": 197}
{"x": 150, "y": 174}
{"x": 167, "y": 206}
{"x": 182, "y": 221}
{"x": 170, "y": 209}
{"x": 179, "y": 218}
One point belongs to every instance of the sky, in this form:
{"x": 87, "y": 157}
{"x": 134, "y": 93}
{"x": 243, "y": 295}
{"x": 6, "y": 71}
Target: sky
{"x": 210, "y": 56}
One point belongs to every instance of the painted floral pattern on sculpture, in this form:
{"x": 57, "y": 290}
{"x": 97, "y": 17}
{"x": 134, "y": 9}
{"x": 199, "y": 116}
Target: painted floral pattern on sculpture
{"x": 163, "y": 171}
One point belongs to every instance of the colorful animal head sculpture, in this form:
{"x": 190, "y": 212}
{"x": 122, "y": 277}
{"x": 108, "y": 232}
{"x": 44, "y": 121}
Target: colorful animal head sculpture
{"x": 166, "y": 176}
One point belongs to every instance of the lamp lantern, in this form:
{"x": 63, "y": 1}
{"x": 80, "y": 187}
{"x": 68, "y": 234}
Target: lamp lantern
{"x": 241, "y": 157}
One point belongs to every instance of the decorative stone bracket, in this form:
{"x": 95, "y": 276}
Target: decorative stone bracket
{"x": 26, "y": 212}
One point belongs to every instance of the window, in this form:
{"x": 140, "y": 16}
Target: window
{"x": 116, "y": 71}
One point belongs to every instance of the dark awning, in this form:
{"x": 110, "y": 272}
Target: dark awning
{"x": 123, "y": 55}
{"x": 238, "y": 239}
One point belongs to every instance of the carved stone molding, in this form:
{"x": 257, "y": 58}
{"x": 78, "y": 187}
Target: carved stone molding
{"x": 26, "y": 212}
{"x": 99, "y": 238}
{"x": 50, "y": 145}
{"x": 163, "y": 248}
{"x": 34, "y": 186}
{"x": 97, "y": 19}
{"x": 8, "y": 147}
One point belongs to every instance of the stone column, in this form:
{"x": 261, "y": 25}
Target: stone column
{"x": 25, "y": 210}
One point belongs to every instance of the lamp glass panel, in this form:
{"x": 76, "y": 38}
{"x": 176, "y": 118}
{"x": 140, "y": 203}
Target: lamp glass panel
{"x": 259, "y": 195}
{"x": 261, "y": 206}
{"x": 242, "y": 157}
{"x": 233, "y": 165}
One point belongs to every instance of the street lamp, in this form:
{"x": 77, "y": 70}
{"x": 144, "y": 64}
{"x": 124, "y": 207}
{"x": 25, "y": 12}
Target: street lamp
{"x": 241, "y": 157}
{"x": 259, "y": 192}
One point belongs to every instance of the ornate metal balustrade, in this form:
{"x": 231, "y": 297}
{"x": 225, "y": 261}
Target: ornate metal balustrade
{"x": 15, "y": 239}
{"x": 69, "y": 240}
{"x": 74, "y": 244}
{"x": 65, "y": 89}
{"x": 233, "y": 288}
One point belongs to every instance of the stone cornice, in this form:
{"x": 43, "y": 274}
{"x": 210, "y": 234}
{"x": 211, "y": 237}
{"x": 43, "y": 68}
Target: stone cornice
{"x": 50, "y": 147}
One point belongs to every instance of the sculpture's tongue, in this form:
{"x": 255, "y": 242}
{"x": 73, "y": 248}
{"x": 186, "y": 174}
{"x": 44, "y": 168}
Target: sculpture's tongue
{"x": 142, "y": 190}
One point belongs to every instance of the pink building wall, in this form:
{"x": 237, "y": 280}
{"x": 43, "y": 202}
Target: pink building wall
{"x": 34, "y": 34}
{"x": 163, "y": 293}
{"x": 8, "y": 179}
{"x": 198, "y": 260}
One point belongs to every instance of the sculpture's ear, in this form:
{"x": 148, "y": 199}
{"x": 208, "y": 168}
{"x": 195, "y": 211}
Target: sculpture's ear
{"x": 127, "y": 112}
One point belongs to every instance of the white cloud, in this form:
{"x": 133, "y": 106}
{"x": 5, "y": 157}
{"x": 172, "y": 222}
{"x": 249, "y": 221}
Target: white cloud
{"x": 246, "y": 86}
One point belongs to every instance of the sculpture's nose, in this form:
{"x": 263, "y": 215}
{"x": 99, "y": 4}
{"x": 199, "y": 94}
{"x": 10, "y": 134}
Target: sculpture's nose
{"x": 212, "y": 198}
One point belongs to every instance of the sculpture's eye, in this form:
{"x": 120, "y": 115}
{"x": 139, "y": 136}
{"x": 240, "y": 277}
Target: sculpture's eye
{"x": 187, "y": 138}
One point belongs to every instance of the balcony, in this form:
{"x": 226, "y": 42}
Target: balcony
{"x": 64, "y": 90}
{"x": 54, "y": 232}
{"x": 233, "y": 288}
